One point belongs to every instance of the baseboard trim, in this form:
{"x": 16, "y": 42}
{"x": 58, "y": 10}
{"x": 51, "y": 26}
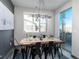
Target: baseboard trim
{"x": 74, "y": 57}
{"x": 67, "y": 50}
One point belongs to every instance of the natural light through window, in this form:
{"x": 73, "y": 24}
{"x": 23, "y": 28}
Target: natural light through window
{"x": 32, "y": 24}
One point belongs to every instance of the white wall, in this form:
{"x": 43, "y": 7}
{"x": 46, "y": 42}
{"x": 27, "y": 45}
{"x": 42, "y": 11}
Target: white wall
{"x": 75, "y": 28}
{"x": 75, "y": 24}
{"x": 19, "y": 30}
{"x": 57, "y": 16}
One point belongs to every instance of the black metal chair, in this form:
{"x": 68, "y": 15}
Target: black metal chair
{"x": 36, "y": 50}
{"x": 45, "y": 48}
{"x": 23, "y": 51}
{"x": 28, "y": 50}
{"x": 57, "y": 50}
{"x": 16, "y": 50}
{"x": 51, "y": 49}
{"x": 15, "y": 53}
{"x": 48, "y": 49}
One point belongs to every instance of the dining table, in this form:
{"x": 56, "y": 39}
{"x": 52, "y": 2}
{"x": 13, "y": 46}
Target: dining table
{"x": 27, "y": 43}
{"x": 30, "y": 41}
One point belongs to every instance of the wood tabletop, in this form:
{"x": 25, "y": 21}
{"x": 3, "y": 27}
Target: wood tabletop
{"x": 28, "y": 41}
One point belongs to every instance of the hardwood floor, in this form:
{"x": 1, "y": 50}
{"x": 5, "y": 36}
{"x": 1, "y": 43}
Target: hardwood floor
{"x": 66, "y": 55}
{"x": 48, "y": 57}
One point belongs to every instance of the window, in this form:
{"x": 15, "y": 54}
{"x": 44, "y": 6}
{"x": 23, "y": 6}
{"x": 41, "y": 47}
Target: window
{"x": 66, "y": 28}
{"x": 66, "y": 20}
{"x": 43, "y": 24}
{"x": 29, "y": 24}
{"x": 32, "y": 24}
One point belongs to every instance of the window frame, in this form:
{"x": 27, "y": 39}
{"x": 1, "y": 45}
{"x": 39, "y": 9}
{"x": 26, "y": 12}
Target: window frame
{"x": 39, "y": 24}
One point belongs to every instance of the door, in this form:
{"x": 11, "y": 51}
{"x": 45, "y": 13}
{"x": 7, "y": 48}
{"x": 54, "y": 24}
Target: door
{"x": 66, "y": 28}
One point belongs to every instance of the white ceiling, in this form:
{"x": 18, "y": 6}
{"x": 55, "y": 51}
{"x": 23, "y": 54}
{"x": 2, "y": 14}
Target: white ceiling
{"x": 49, "y": 4}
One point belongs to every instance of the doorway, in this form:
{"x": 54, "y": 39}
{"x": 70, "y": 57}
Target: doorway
{"x": 66, "y": 28}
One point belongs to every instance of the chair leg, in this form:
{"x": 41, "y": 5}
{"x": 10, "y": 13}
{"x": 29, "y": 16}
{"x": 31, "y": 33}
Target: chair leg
{"x": 15, "y": 53}
{"x": 30, "y": 56}
{"x": 61, "y": 50}
{"x": 52, "y": 54}
{"x": 51, "y": 51}
{"x": 58, "y": 52}
{"x": 45, "y": 54}
{"x": 23, "y": 51}
{"x": 26, "y": 52}
{"x": 40, "y": 54}
{"x": 55, "y": 50}
{"x": 30, "y": 53}
{"x": 33, "y": 56}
